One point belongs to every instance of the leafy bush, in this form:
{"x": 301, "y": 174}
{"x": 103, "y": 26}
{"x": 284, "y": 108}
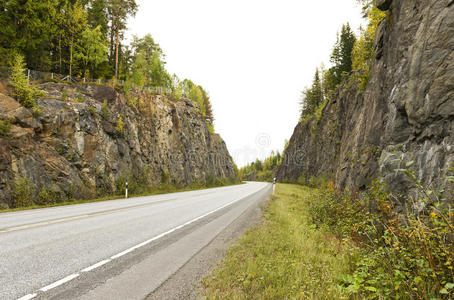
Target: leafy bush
{"x": 399, "y": 255}
{"x": 22, "y": 90}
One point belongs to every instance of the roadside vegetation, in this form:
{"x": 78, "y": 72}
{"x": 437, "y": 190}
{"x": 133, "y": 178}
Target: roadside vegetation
{"x": 27, "y": 195}
{"x": 286, "y": 257}
{"x": 315, "y": 243}
{"x": 261, "y": 170}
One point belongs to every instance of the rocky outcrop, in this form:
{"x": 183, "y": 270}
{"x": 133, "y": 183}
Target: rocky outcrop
{"x": 88, "y": 139}
{"x": 404, "y": 117}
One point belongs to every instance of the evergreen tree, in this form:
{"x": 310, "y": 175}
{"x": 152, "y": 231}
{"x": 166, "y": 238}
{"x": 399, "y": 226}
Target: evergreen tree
{"x": 312, "y": 97}
{"x": 208, "y": 108}
{"x": 22, "y": 90}
{"x": 342, "y": 53}
{"x": 119, "y": 11}
{"x": 97, "y": 15}
{"x": 27, "y": 28}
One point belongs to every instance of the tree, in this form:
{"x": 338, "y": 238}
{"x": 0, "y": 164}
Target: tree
{"x": 312, "y": 97}
{"x": 363, "y": 50}
{"x": 92, "y": 48}
{"x": 342, "y": 52}
{"x": 208, "y": 108}
{"x": 75, "y": 20}
{"x": 22, "y": 90}
{"x": 147, "y": 45}
{"x": 97, "y": 16}
{"x": 27, "y": 27}
{"x": 158, "y": 74}
{"x": 119, "y": 11}
{"x": 139, "y": 70}
{"x": 155, "y": 72}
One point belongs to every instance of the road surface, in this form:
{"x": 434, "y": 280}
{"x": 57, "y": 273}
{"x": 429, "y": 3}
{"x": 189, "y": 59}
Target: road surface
{"x": 120, "y": 249}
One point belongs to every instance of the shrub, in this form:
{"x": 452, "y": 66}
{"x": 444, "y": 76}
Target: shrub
{"x": 399, "y": 255}
{"x": 65, "y": 95}
{"x": 120, "y": 125}
{"x": 46, "y": 197}
{"x": 80, "y": 98}
{"x": 5, "y": 128}
{"x": 23, "y": 193}
{"x": 105, "y": 109}
{"x": 210, "y": 128}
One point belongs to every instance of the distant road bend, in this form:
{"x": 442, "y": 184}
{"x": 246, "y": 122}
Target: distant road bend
{"x": 120, "y": 249}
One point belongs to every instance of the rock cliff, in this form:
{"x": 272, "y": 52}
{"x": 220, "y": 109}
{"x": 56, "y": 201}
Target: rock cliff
{"x": 87, "y": 140}
{"x": 406, "y": 113}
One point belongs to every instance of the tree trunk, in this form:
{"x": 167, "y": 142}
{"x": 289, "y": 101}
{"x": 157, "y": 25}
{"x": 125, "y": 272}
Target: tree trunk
{"x": 71, "y": 59}
{"x": 117, "y": 43}
{"x": 112, "y": 34}
{"x": 59, "y": 50}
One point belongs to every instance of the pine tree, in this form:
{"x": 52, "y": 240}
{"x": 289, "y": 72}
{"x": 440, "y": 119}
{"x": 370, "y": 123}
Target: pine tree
{"x": 208, "y": 108}
{"x": 28, "y": 27}
{"x": 342, "y": 53}
{"x": 119, "y": 11}
{"x": 22, "y": 90}
{"x": 312, "y": 97}
{"x": 97, "y": 15}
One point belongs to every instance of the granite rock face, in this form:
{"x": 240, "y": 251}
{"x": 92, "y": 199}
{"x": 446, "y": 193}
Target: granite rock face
{"x": 85, "y": 138}
{"x": 405, "y": 115}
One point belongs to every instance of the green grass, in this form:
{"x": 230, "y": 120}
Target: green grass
{"x": 286, "y": 257}
{"x": 157, "y": 191}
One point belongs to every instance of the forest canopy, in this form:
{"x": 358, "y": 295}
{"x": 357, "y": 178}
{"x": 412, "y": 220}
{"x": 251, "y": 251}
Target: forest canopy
{"x": 86, "y": 39}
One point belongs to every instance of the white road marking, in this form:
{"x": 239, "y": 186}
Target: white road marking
{"x": 97, "y": 265}
{"x": 27, "y": 297}
{"x": 59, "y": 282}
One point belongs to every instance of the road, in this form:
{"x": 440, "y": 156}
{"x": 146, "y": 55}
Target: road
{"x": 119, "y": 249}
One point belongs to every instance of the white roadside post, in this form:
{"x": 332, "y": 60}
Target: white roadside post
{"x": 126, "y": 191}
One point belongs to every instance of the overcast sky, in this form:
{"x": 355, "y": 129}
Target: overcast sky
{"x": 253, "y": 57}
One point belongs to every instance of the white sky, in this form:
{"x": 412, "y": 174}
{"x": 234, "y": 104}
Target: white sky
{"x": 253, "y": 57}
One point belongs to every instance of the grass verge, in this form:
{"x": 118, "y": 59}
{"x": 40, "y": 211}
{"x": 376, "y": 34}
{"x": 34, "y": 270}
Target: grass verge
{"x": 286, "y": 257}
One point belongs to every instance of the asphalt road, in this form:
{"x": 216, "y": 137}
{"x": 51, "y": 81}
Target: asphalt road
{"x": 120, "y": 249}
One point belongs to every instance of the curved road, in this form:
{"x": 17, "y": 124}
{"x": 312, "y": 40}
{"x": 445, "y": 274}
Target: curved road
{"x": 120, "y": 249}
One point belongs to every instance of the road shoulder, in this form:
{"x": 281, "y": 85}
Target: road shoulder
{"x": 186, "y": 283}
